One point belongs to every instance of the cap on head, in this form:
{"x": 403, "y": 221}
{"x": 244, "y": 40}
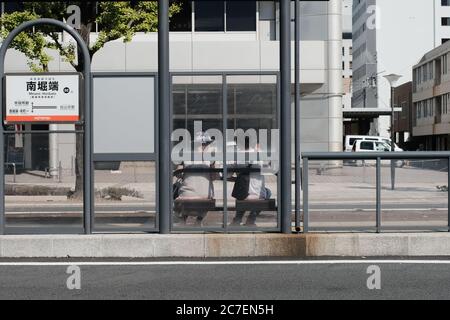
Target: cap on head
{"x": 202, "y": 137}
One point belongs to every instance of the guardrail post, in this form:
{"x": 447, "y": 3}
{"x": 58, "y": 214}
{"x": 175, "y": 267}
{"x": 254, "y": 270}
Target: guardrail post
{"x": 392, "y": 174}
{"x": 305, "y": 195}
{"x": 378, "y": 196}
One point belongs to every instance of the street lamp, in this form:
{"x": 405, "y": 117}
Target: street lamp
{"x": 392, "y": 78}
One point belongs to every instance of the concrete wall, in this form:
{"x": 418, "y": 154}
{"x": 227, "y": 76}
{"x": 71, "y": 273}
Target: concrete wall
{"x": 225, "y": 245}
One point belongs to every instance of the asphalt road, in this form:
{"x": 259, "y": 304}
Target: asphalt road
{"x": 290, "y": 280}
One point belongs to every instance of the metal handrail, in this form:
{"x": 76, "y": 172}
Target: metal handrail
{"x": 388, "y": 155}
{"x": 378, "y": 156}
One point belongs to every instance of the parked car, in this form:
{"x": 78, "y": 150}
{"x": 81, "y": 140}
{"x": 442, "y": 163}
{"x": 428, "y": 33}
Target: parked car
{"x": 375, "y": 146}
{"x": 350, "y": 140}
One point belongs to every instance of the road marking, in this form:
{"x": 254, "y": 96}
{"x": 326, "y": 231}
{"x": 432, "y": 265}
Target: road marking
{"x": 176, "y": 263}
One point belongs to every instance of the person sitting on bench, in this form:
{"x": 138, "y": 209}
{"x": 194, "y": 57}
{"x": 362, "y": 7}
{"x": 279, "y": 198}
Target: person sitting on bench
{"x": 250, "y": 186}
{"x": 197, "y": 184}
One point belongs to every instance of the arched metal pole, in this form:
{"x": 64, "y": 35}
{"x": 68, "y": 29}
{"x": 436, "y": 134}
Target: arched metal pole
{"x": 87, "y": 154}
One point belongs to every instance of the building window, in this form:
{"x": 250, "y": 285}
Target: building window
{"x": 347, "y": 36}
{"x": 241, "y": 15}
{"x": 182, "y": 21}
{"x": 445, "y": 3}
{"x": 209, "y": 16}
{"x": 13, "y": 6}
{"x": 444, "y": 64}
{"x": 445, "y": 101}
{"x": 445, "y": 21}
{"x": 431, "y": 70}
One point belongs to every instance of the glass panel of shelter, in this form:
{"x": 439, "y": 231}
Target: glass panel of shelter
{"x": 197, "y": 154}
{"x": 252, "y": 151}
{"x": 205, "y": 192}
{"x": 40, "y": 192}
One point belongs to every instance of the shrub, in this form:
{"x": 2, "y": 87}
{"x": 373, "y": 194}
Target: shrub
{"x": 34, "y": 190}
{"x": 116, "y": 193}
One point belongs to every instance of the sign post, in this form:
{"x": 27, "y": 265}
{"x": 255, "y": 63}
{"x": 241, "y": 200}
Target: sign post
{"x": 18, "y": 102}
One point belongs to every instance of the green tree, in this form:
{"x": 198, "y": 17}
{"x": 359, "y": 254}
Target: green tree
{"x": 117, "y": 20}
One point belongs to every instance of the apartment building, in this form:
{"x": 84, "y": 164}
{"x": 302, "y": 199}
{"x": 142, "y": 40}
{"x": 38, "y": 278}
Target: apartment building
{"x": 431, "y": 98}
{"x": 388, "y": 37}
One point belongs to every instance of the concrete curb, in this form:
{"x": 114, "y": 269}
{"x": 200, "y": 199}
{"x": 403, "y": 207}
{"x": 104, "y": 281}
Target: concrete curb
{"x": 224, "y": 245}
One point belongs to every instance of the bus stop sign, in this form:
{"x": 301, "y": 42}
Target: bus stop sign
{"x": 42, "y": 98}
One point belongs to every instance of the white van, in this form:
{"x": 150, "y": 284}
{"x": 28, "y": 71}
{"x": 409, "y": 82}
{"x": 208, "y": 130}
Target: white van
{"x": 374, "y": 146}
{"x": 350, "y": 140}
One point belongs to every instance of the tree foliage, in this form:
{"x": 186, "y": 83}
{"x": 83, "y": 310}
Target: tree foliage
{"x": 116, "y": 20}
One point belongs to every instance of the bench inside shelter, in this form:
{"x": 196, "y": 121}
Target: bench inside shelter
{"x": 191, "y": 207}
{"x": 256, "y": 205}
